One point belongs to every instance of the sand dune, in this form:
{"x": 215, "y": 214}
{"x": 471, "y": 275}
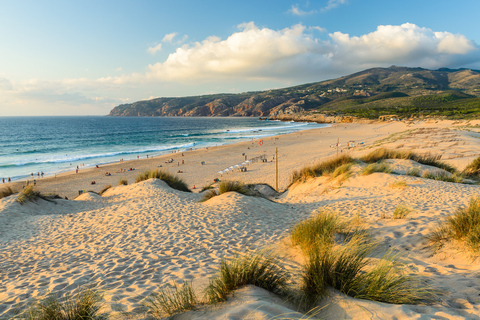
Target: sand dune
{"x": 138, "y": 238}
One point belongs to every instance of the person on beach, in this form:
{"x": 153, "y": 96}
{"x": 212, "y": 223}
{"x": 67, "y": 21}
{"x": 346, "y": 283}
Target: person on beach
{"x": 9, "y": 180}
{"x": 3, "y": 180}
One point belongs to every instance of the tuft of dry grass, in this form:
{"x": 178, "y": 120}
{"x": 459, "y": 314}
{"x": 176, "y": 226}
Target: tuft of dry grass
{"x": 172, "y": 180}
{"x": 29, "y": 194}
{"x": 473, "y": 169}
{"x": 169, "y": 302}
{"x": 376, "y": 167}
{"x": 5, "y": 192}
{"x": 209, "y": 195}
{"x": 401, "y": 212}
{"x": 462, "y": 226}
{"x": 261, "y": 269}
{"x": 384, "y": 153}
{"x": 236, "y": 186}
{"x": 399, "y": 184}
{"x": 104, "y": 189}
{"x": 325, "y": 167}
{"x": 123, "y": 182}
{"x": 85, "y": 303}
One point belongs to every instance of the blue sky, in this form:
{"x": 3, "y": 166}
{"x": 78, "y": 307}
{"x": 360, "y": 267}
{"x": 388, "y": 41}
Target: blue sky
{"x": 85, "y": 57}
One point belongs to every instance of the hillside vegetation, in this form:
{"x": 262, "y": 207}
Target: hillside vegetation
{"x": 370, "y": 93}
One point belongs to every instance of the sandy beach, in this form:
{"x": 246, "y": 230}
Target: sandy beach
{"x": 137, "y": 238}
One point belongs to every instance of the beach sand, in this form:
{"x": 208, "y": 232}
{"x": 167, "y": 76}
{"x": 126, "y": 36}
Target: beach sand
{"x": 138, "y": 238}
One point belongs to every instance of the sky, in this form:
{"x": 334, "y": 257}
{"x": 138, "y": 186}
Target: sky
{"x": 86, "y": 57}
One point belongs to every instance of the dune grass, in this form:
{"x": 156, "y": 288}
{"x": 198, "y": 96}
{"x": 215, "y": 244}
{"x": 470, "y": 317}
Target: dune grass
{"x": 209, "y": 194}
{"x": 414, "y": 172}
{"x": 383, "y": 153}
{"x": 123, "y": 182}
{"x": 345, "y": 263}
{"x": 473, "y": 169}
{"x": 5, "y": 192}
{"x": 104, "y": 189}
{"x": 29, "y": 194}
{"x": 401, "y": 212}
{"x": 259, "y": 269}
{"x": 321, "y": 227}
{"x": 399, "y": 184}
{"x": 325, "y": 167}
{"x": 207, "y": 187}
{"x": 442, "y": 176}
{"x": 376, "y": 167}
{"x": 237, "y": 186}
{"x": 172, "y": 180}
{"x": 169, "y": 302}
{"x": 84, "y": 304}
{"x": 462, "y": 226}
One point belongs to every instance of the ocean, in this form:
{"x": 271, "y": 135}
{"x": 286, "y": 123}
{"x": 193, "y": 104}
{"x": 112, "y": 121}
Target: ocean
{"x": 56, "y": 144}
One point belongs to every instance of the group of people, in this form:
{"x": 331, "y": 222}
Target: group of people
{"x": 9, "y": 180}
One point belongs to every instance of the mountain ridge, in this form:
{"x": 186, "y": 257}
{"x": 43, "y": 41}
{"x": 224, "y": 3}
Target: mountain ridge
{"x": 330, "y": 96}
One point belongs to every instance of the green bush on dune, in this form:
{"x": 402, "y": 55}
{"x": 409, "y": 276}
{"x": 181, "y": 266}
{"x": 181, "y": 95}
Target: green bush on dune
{"x": 325, "y": 167}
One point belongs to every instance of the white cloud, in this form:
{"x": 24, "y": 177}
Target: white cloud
{"x": 277, "y": 57}
{"x": 118, "y": 69}
{"x": 169, "y": 37}
{"x": 295, "y": 10}
{"x": 262, "y": 53}
{"x": 333, "y": 4}
{"x": 155, "y": 49}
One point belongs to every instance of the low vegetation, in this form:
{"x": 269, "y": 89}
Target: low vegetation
{"x": 376, "y": 167}
{"x": 123, "y": 182}
{"x": 442, "y": 176}
{"x": 463, "y": 226}
{"x": 399, "y": 184}
{"x": 414, "y": 172}
{"x": 209, "y": 194}
{"x": 171, "y": 180}
{"x": 401, "y": 212}
{"x": 384, "y": 153}
{"x": 236, "y": 186}
{"x": 326, "y": 167}
{"x": 104, "y": 189}
{"x": 345, "y": 263}
{"x": 5, "y": 192}
{"x": 473, "y": 169}
{"x": 259, "y": 269}
{"x": 169, "y": 302}
{"x": 85, "y": 303}
{"x": 29, "y": 194}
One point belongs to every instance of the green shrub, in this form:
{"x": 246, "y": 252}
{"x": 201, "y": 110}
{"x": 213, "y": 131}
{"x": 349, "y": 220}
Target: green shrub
{"x": 325, "y": 167}
{"x": 462, "y": 226}
{"x": 376, "y": 167}
{"x": 84, "y": 304}
{"x": 104, "y": 189}
{"x": 168, "y": 301}
{"x": 6, "y": 192}
{"x": 259, "y": 269}
{"x": 171, "y": 180}
{"x": 123, "y": 182}
{"x": 237, "y": 186}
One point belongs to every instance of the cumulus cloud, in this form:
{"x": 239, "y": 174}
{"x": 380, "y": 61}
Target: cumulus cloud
{"x": 263, "y": 53}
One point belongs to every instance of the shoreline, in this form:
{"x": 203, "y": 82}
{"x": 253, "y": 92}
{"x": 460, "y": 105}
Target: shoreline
{"x": 154, "y": 153}
{"x": 295, "y": 150}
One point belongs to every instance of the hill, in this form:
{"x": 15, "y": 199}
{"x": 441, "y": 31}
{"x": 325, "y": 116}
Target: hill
{"x": 369, "y": 93}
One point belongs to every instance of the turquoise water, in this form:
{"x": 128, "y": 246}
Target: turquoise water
{"x": 56, "y": 144}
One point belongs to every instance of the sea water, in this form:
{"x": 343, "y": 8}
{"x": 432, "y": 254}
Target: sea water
{"x": 56, "y": 144}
